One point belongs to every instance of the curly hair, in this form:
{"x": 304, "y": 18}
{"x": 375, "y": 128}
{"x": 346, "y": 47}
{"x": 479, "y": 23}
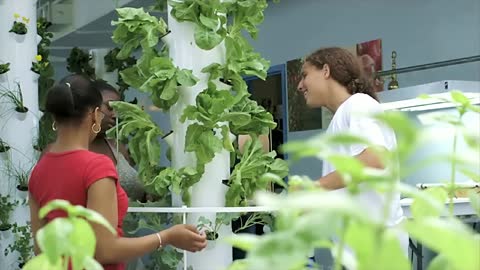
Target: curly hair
{"x": 344, "y": 68}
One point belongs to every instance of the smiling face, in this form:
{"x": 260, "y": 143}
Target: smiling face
{"x": 314, "y": 85}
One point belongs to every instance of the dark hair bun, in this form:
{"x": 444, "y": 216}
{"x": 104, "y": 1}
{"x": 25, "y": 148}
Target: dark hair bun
{"x": 72, "y": 98}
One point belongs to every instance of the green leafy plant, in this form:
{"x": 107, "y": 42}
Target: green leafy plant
{"x": 244, "y": 180}
{"x": 67, "y": 239}
{"x": 136, "y": 28}
{"x": 4, "y": 147}
{"x": 22, "y": 244}
{"x": 46, "y": 134}
{"x": 45, "y": 81}
{"x": 155, "y": 74}
{"x": 211, "y": 228}
{"x": 4, "y": 68}
{"x": 19, "y": 28}
{"x": 144, "y": 147}
{"x": 308, "y": 219}
{"x": 15, "y": 97}
{"x": 40, "y": 67}
{"x": 6, "y": 208}
{"x": 78, "y": 63}
{"x": 112, "y": 64}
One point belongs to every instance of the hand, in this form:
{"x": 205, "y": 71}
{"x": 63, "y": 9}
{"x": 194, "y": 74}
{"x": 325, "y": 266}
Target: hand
{"x": 184, "y": 237}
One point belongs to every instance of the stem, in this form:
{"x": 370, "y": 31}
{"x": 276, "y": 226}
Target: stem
{"x": 452, "y": 173}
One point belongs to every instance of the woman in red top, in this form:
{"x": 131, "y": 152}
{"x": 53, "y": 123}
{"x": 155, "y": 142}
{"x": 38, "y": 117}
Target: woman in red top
{"x": 70, "y": 172}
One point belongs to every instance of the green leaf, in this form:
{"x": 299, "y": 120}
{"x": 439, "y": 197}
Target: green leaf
{"x": 459, "y": 97}
{"x": 243, "y": 241}
{"x": 205, "y": 38}
{"x": 423, "y": 208}
{"x": 227, "y": 143}
{"x": 439, "y": 234}
{"x": 440, "y": 262}
{"x": 82, "y": 240}
{"x": 185, "y": 77}
{"x": 41, "y": 262}
{"x": 55, "y": 205}
{"x": 53, "y": 239}
{"x": 203, "y": 142}
{"x": 208, "y": 22}
{"x": 93, "y": 216}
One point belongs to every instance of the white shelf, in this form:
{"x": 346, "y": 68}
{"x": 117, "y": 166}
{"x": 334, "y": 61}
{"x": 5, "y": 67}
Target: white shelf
{"x": 201, "y": 209}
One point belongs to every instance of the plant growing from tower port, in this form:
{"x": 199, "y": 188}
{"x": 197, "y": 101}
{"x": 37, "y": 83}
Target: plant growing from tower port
{"x": 4, "y": 68}
{"x": 155, "y": 74}
{"x": 15, "y": 97}
{"x": 45, "y": 81}
{"x": 112, "y": 64}
{"x": 318, "y": 216}
{"x": 6, "y": 208}
{"x": 4, "y": 147}
{"x": 19, "y": 27}
{"x": 22, "y": 244}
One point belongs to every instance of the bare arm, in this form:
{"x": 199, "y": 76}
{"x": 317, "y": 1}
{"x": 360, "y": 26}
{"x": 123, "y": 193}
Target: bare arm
{"x": 35, "y": 221}
{"x": 334, "y": 180}
{"x": 102, "y": 197}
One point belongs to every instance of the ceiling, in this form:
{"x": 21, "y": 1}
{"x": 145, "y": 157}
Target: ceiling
{"x": 96, "y": 34}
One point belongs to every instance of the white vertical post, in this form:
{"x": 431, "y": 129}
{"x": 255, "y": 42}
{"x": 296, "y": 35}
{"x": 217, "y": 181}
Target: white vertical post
{"x": 98, "y": 63}
{"x": 19, "y": 131}
{"x": 209, "y": 191}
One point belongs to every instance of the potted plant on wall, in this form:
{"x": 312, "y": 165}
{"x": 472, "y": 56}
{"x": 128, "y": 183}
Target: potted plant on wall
{"x": 16, "y": 98}
{"x": 6, "y": 208}
{"x": 4, "y": 147}
{"x": 19, "y": 27}
{"x": 22, "y": 244}
{"x": 4, "y": 68}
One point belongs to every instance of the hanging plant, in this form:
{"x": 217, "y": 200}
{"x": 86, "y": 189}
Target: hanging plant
{"x": 15, "y": 97}
{"x": 22, "y": 244}
{"x": 4, "y": 147}
{"x": 78, "y": 63}
{"x": 6, "y": 208}
{"x": 39, "y": 66}
{"x": 45, "y": 133}
{"x": 4, "y": 68}
{"x": 19, "y": 27}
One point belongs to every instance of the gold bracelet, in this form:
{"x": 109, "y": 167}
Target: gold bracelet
{"x": 159, "y": 241}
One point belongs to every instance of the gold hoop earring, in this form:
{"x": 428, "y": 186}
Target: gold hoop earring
{"x": 54, "y": 128}
{"x": 96, "y": 131}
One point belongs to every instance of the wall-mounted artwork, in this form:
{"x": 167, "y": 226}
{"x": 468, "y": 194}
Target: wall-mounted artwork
{"x": 300, "y": 116}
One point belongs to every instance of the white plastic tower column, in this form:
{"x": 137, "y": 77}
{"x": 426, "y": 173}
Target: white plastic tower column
{"x": 98, "y": 63}
{"x": 209, "y": 191}
{"x": 19, "y": 132}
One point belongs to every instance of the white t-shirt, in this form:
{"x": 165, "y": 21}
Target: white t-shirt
{"x": 352, "y": 116}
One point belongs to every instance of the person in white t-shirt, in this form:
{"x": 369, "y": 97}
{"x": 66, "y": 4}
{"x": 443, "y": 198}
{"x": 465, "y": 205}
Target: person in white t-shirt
{"x": 333, "y": 78}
